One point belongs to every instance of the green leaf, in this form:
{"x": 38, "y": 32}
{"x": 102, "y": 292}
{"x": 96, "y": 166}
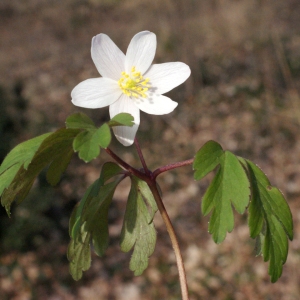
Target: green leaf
{"x": 148, "y": 197}
{"x": 109, "y": 170}
{"x": 230, "y": 186}
{"x": 7, "y": 177}
{"x": 79, "y": 255}
{"x": 138, "y": 229}
{"x": 18, "y": 157}
{"x": 95, "y": 214}
{"x": 80, "y": 121}
{"x": 206, "y": 159}
{"x": 104, "y": 136}
{"x": 90, "y": 219}
{"x": 58, "y": 166}
{"x": 122, "y": 119}
{"x": 52, "y": 148}
{"x": 87, "y": 143}
{"x": 270, "y": 220}
{"x": 76, "y": 224}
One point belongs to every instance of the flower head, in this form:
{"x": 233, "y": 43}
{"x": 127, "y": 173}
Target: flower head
{"x": 129, "y": 83}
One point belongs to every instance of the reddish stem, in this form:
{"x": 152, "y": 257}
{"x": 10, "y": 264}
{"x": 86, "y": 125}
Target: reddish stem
{"x": 172, "y": 166}
{"x": 139, "y": 151}
{"x": 129, "y": 168}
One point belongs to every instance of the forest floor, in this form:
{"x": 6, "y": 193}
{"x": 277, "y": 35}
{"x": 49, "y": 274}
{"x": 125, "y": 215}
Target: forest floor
{"x": 243, "y": 93}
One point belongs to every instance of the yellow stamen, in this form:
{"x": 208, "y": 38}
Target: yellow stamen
{"x": 134, "y": 84}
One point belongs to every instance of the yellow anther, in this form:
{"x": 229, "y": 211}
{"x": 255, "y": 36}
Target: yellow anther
{"x": 133, "y": 84}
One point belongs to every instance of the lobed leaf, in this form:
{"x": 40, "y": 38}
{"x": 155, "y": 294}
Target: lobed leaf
{"x": 52, "y": 147}
{"x": 104, "y": 135}
{"x": 80, "y": 121}
{"x": 138, "y": 229}
{"x": 76, "y": 224}
{"x": 59, "y": 165}
{"x": 79, "y": 255}
{"x": 88, "y": 142}
{"x": 229, "y": 187}
{"x": 122, "y": 119}
{"x": 90, "y": 219}
{"x": 95, "y": 214}
{"x": 207, "y": 158}
{"x": 270, "y": 220}
{"x": 148, "y": 197}
{"x": 109, "y": 170}
{"x": 21, "y": 166}
{"x": 18, "y": 157}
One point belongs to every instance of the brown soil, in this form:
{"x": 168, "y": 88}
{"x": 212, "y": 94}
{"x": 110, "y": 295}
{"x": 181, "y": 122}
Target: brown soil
{"x": 243, "y": 93}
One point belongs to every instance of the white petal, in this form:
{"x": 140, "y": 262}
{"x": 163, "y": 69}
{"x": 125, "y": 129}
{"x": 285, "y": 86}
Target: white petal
{"x": 156, "y": 104}
{"x": 125, "y": 134}
{"x": 96, "y": 93}
{"x": 141, "y": 52}
{"x": 108, "y": 58}
{"x": 165, "y": 77}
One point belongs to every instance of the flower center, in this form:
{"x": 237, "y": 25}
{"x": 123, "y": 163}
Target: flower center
{"x": 134, "y": 84}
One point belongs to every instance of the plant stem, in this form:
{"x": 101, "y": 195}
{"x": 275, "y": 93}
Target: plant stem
{"x": 129, "y": 168}
{"x": 174, "y": 241}
{"x": 150, "y": 179}
{"x": 172, "y": 166}
{"x": 139, "y": 151}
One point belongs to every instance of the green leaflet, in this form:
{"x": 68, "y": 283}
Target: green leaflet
{"x": 88, "y": 142}
{"x": 18, "y": 157}
{"x": 122, "y": 119}
{"x": 79, "y": 255}
{"x": 30, "y": 159}
{"x": 89, "y": 221}
{"x": 59, "y": 165}
{"x": 229, "y": 187}
{"x": 270, "y": 220}
{"x": 75, "y": 223}
{"x": 94, "y": 216}
{"x": 206, "y": 159}
{"x": 22, "y": 153}
{"x": 22, "y": 165}
{"x": 80, "y": 121}
{"x": 108, "y": 171}
{"x": 50, "y": 148}
{"x": 138, "y": 229}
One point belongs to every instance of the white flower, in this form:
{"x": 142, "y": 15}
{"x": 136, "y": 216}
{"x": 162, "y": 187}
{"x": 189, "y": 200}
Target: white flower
{"x": 129, "y": 83}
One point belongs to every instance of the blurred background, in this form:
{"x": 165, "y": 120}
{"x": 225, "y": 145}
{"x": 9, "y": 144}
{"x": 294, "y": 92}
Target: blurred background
{"x": 243, "y": 93}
